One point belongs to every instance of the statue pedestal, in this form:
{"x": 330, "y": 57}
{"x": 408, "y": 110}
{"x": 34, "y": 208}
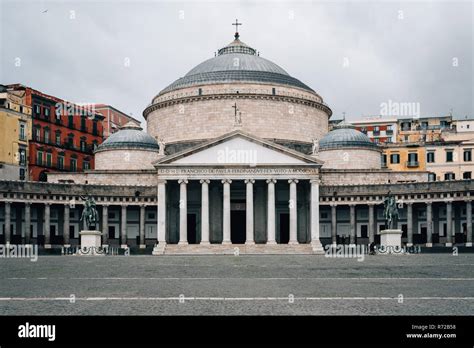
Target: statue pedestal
{"x": 391, "y": 238}
{"x": 91, "y": 243}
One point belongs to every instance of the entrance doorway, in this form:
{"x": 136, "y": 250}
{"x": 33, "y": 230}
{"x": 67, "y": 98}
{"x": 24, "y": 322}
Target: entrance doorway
{"x": 191, "y": 229}
{"x": 111, "y": 232}
{"x": 284, "y": 228}
{"x": 237, "y": 226}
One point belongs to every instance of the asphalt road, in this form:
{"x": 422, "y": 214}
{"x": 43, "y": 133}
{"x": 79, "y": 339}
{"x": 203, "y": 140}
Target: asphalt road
{"x": 426, "y": 284}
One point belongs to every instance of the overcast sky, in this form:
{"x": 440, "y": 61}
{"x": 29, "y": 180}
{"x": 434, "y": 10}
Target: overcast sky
{"x": 355, "y": 54}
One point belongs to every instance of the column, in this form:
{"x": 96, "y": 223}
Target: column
{"x": 429, "y": 224}
{"x": 27, "y": 226}
{"x": 142, "y": 227}
{"x": 124, "y": 228}
{"x": 293, "y": 212}
{"x": 205, "y": 211}
{"x": 47, "y": 224}
{"x": 353, "y": 224}
{"x": 334, "y": 223}
{"x": 271, "y": 211}
{"x": 371, "y": 223}
{"x": 469, "y": 223}
{"x": 183, "y": 212}
{"x": 8, "y": 230}
{"x": 66, "y": 236}
{"x": 249, "y": 212}
{"x": 315, "y": 242}
{"x": 161, "y": 225}
{"x": 226, "y": 210}
{"x": 410, "y": 224}
{"x": 105, "y": 225}
{"x": 449, "y": 223}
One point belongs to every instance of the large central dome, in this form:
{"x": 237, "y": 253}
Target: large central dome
{"x": 237, "y": 62}
{"x": 237, "y": 89}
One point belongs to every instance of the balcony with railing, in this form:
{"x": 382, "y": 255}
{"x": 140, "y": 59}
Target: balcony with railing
{"x": 412, "y": 164}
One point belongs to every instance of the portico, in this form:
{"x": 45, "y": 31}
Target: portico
{"x": 258, "y": 201}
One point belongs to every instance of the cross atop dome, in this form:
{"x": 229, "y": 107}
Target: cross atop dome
{"x": 236, "y": 28}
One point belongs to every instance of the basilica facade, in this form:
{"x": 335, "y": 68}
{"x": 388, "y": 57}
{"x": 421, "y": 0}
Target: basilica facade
{"x": 237, "y": 154}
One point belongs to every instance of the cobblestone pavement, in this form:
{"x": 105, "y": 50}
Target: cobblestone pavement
{"x": 427, "y": 284}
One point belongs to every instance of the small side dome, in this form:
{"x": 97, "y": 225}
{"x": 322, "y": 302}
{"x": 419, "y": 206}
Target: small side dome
{"x": 130, "y": 135}
{"x": 344, "y": 135}
{"x": 346, "y": 148}
{"x": 128, "y": 149}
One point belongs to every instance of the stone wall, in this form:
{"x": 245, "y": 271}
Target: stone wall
{"x": 361, "y": 177}
{"x": 351, "y": 158}
{"x": 10, "y": 171}
{"x": 267, "y": 116}
{"x": 96, "y": 177}
{"x": 125, "y": 159}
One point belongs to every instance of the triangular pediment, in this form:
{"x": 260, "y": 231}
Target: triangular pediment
{"x": 238, "y": 148}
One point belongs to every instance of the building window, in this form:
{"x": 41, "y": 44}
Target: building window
{"x": 70, "y": 141}
{"x": 466, "y": 175}
{"x": 449, "y": 176}
{"x": 468, "y": 155}
{"x": 83, "y": 124}
{"x": 37, "y": 110}
{"x": 37, "y": 134}
{"x": 22, "y": 157}
{"x": 58, "y": 138}
{"x": 49, "y": 159}
{"x": 449, "y": 156}
{"x": 73, "y": 165}
{"x": 431, "y": 177}
{"x": 22, "y": 173}
{"x": 86, "y": 165}
{"x": 70, "y": 121}
{"x": 58, "y": 117}
{"x": 430, "y": 157}
{"x": 83, "y": 145}
{"x": 39, "y": 158}
{"x": 412, "y": 160}
{"x": 94, "y": 128}
{"x": 395, "y": 158}
{"x": 384, "y": 161}
{"x": 200, "y": 91}
{"x": 376, "y": 130}
{"x": 46, "y": 135}
{"x": 46, "y": 112}
{"x": 60, "y": 162}
{"x": 22, "y": 131}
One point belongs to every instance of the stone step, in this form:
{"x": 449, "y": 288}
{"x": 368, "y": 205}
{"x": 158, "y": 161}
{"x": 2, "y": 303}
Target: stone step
{"x": 241, "y": 249}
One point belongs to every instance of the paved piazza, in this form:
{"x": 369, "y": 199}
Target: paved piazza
{"x": 431, "y": 284}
